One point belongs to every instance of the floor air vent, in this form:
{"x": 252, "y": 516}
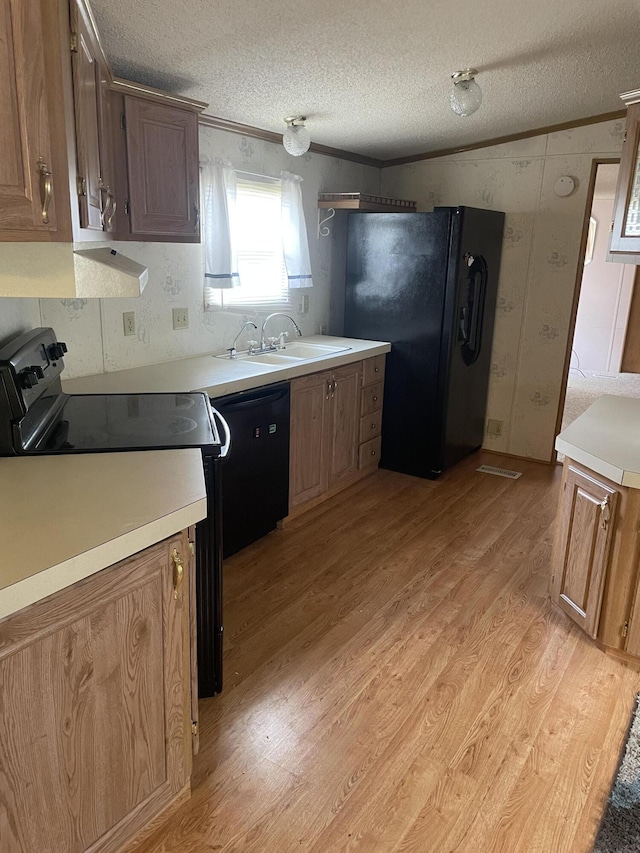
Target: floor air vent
{"x": 500, "y": 472}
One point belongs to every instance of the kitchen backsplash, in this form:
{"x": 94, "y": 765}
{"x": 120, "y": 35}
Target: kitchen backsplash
{"x": 539, "y": 262}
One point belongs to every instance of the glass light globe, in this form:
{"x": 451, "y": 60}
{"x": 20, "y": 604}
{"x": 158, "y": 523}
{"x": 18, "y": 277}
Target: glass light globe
{"x": 466, "y": 96}
{"x": 296, "y": 139}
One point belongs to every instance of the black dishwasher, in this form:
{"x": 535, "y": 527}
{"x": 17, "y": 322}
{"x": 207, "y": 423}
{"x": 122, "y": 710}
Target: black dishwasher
{"x": 255, "y": 476}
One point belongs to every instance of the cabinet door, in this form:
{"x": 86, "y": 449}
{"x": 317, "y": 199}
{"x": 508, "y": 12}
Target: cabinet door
{"x": 625, "y": 235}
{"x": 86, "y": 85}
{"x": 582, "y": 547}
{"x": 345, "y": 422}
{"x": 92, "y": 725}
{"x": 163, "y": 169}
{"x": 310, "y": 397}
{"x": 26, "y": 183}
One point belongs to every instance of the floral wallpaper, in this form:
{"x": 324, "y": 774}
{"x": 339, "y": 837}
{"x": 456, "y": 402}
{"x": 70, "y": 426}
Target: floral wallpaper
{"x": 94, "y": 328}
{"x": 539, "y": 265}
{"x": 539, "y": 262}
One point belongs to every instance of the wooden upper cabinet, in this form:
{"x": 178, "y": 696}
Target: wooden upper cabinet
{"x": 163, "y": 170}
{"x": 32, "y": 141}
{"x": 586, "y": 526}
{"x": 625, "y": 235}
{"x": 94, "y": 143}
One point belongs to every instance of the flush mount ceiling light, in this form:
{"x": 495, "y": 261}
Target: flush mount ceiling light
{"x": 466, "y": 95}
{"x": 296, "y": 137}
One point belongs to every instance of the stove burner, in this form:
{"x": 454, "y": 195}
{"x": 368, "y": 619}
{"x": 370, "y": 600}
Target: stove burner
{"x": 152, "y": 427}
{"x": 183, "y": 402}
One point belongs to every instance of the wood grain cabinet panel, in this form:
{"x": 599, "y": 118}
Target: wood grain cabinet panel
{"x": 344, "y": 422}
{"x": 163, "y": 170}
{"x": 92, "y": 730}
{"x": 583, "y": 545}
{"x": 373, "y": 369}
{"x": 26, "y": 143}
{"x": 330, "y": 435}
{"x": 309, "y": 418}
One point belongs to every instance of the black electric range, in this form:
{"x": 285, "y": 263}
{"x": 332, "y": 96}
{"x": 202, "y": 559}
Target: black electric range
{"x": 37, "y": 417}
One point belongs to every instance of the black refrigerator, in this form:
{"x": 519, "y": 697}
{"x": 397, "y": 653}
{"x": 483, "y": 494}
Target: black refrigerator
{"x": 427, "y": 282}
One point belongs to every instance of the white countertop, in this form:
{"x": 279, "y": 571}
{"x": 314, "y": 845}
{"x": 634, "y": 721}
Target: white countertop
{"x": 220, "y": 376}
{"x": 606, "y": 439}
{"x": 63, "y": 518}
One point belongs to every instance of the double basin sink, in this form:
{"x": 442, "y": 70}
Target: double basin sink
{"x": 290, "y": 354}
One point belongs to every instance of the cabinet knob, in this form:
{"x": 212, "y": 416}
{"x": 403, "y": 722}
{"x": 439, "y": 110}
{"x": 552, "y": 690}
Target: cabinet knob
{"x": 376, "y": 370}
{"x": 605, "y": 512}
{"x": 375, "y": 399}
{"x": 373, "y": 453}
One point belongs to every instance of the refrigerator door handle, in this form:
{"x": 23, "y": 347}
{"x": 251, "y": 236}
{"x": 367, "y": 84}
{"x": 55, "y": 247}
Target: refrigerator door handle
{"x": 473, "y": 311}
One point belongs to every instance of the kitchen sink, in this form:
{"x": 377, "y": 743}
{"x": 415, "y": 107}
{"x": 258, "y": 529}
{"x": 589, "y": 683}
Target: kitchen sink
{"x": 291, "y": 354}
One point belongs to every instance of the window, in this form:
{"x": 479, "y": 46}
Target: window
{"x": 257, "y": 230}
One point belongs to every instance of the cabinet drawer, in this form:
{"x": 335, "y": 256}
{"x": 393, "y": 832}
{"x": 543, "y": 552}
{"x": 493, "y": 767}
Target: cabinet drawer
{"x": 373, "y": 369}
{"x": 371, "y": 398}
{"x": 370, "y": 426}
{"x": 369, "y": 453}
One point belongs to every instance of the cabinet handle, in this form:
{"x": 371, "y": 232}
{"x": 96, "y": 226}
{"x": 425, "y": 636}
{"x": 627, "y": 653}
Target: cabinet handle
{"x": 46, "y": 189}
{"x": 178, "y": 572}
{"x": 112, "y": 211}
{"x": 196, "y": 210}
{"x": 105, "y": 201}
{"x": 605, "y": 512}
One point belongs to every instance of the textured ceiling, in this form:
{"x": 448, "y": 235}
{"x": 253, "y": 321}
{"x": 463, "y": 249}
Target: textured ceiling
{"x": 373, "y": 76}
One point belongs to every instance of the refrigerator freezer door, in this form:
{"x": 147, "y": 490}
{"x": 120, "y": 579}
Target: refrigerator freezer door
{"x": 396, "y": 275}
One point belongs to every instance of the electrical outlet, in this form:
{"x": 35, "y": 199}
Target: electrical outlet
{"x": 129, "y": 322}
{"x": 304, "y": 303}
{"x": 494, "y": 427}
{"x": 180, "y": 318}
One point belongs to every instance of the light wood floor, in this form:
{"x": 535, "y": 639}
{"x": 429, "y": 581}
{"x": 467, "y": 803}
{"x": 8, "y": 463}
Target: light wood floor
{"x": 397, "y": 680}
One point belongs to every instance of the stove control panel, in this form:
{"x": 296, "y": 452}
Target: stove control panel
{"x": 30, "y": 376}
{"x": 30, "y": 368}
{"x": 56, "y": 351}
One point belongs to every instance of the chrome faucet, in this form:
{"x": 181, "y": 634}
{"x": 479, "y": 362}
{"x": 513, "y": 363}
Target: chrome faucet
{"x": 272, "y": 346}
{"x": 233, "y": 353}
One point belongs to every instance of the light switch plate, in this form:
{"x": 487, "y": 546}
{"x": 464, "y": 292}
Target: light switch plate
{"x": 129, "y": 322}
{"x": 180, "y": 318}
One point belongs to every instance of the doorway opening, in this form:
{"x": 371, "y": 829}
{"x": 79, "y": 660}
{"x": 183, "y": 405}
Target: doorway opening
{"x": 604, "y": 355}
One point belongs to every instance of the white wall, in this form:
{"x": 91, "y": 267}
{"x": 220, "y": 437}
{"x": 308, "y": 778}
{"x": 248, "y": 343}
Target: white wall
{"x": 539, "y": 262}
{"x": 93, "y": 328}
{"x": 605, "y": 298}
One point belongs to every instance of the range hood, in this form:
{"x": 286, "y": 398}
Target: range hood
{"x": 65, "y": 271}
{"x": 103, "y": 272}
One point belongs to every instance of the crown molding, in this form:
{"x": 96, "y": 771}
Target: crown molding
{"x": 269, "y": 136}
{"x": 500, "y": 140}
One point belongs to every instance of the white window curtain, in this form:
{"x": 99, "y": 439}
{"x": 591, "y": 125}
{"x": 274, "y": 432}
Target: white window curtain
{"x": 218, "y": 178}
{"x": 295, "y": 242}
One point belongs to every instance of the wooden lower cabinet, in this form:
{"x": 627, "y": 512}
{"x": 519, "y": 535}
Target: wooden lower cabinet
{"x": 586, "y": 524}
{"x": 331, "y": 422}
{"x": 95, "y": 718}
{"x": 596, "y": 558}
